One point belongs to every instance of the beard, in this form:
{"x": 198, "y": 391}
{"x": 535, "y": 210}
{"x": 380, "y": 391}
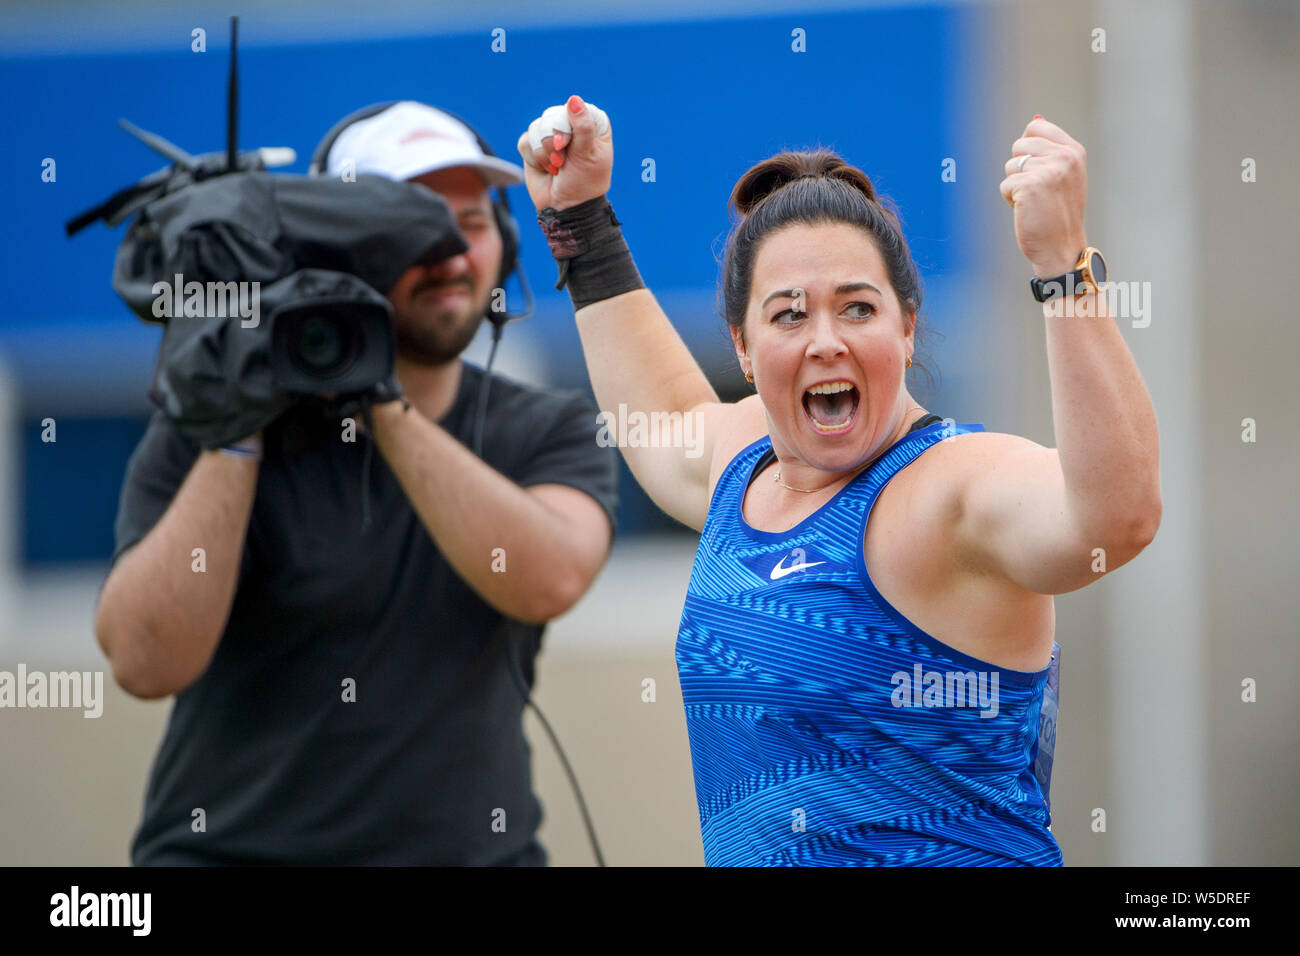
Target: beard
{"x": 428, "y": 335}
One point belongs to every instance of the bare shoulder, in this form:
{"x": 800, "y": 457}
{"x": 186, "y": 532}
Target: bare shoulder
{"x": 983, "y": 490}
{"x": 996, "y": 456}
{"x": 949, "y": 470}
{"x": 736, "y": 425}
{"x": 974, "y": 451}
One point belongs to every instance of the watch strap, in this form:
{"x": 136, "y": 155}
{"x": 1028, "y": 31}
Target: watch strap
{"x": 1045, "y": 290}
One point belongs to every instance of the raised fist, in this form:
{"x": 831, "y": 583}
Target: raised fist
{"x": 568, "y": 155}
{"x": 1047, "y": 185}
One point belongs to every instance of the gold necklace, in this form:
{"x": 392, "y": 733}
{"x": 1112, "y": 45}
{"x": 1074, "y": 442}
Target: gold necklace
{"x": 808, "y": 491}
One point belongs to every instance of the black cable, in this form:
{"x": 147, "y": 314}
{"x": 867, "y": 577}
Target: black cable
{"x": 518, "y": 676}
{"x": 232, "y": 100}
{"x": 516, "y": 672}
{"x": 366, "y": 460}
{"x": 483, "y": 395}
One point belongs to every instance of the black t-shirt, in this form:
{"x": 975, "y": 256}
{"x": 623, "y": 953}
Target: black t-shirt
{"x": 429, "y": 764}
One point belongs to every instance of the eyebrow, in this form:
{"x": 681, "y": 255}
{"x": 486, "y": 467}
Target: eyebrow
{"x": 839, "y": 290}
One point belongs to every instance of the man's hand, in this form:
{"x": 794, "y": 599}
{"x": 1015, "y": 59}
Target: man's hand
{"x": 1048, "y": 192}
{"x": 556, "y": 537}
{"x": 568, "y": 155}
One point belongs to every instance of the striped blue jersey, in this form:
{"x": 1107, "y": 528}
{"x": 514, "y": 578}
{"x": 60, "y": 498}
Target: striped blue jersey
{"x": 828, "y": 729}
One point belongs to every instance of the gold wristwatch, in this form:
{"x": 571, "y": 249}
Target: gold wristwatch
{"x": 1088, "y": 276}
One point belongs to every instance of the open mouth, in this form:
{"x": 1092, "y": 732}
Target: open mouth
{"x": 831, "y": 407}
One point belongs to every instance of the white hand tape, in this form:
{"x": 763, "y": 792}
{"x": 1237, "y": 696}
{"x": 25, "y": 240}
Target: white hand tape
{"x": 556, "y": 120}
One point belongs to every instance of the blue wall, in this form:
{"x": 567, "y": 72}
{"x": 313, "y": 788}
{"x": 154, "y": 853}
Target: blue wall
{"x": 705, "y": 99}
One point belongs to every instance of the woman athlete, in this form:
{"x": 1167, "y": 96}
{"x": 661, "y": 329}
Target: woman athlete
{"x": 867, "y": 637}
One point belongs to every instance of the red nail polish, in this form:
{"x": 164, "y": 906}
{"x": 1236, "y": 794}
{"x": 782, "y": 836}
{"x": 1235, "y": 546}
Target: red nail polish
{"x": 557, "y": 160}
{"x": 1036, "y": 116}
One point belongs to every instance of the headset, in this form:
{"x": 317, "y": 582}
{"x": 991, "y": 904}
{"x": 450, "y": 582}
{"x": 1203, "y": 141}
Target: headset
{"x": 506, "y": 225}
{"x": 509, "y": 230}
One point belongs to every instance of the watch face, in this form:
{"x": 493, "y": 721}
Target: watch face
{"x": 1098, "y": 266}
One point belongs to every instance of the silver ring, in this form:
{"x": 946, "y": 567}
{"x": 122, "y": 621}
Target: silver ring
{"x": 1020, "y": 166}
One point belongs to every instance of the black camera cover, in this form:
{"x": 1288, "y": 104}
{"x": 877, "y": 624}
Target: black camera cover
{"x": 214, "y": 259}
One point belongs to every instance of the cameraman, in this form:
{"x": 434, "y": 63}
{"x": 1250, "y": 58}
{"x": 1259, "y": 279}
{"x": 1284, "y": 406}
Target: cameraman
{"x": 347, "y": 696}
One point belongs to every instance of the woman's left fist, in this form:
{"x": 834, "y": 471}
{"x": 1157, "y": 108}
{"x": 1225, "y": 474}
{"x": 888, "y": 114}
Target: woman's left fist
{"x": 1046, "y": 185}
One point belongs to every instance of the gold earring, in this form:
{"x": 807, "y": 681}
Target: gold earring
{"x": 909, "y": 362}
{"x": 749, "y": 377}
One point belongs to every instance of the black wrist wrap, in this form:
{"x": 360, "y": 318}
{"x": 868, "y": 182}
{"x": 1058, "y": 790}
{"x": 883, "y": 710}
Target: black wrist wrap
{"x": 595, "y": 262}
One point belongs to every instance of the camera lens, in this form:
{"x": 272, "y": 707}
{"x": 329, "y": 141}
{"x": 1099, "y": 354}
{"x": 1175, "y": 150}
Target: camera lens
{"x": 324, "y": 345}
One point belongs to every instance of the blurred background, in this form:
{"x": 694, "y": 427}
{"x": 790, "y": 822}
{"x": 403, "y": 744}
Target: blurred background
{"x": 1171, "y": 100}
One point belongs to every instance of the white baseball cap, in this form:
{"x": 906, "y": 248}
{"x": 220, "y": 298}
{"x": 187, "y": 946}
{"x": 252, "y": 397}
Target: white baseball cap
{"x": 410, "y": 139}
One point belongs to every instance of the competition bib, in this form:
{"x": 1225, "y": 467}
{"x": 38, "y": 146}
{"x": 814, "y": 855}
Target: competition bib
{"x": 1047, "y": 724}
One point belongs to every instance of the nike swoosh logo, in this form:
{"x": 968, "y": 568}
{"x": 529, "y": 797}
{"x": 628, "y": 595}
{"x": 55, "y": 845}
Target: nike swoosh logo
{"x": 779, "y": 572}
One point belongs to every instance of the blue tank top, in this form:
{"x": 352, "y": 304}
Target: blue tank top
{"x": 828, "y": 729}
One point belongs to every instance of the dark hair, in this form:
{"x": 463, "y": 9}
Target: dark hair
{"x": 812, "y": 187}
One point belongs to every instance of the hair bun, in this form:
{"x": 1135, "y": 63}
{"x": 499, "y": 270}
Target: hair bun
{"x": 784, "y": 168}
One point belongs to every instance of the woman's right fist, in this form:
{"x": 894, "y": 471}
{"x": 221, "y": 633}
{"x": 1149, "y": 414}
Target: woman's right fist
{"x": 568, "y": 155}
